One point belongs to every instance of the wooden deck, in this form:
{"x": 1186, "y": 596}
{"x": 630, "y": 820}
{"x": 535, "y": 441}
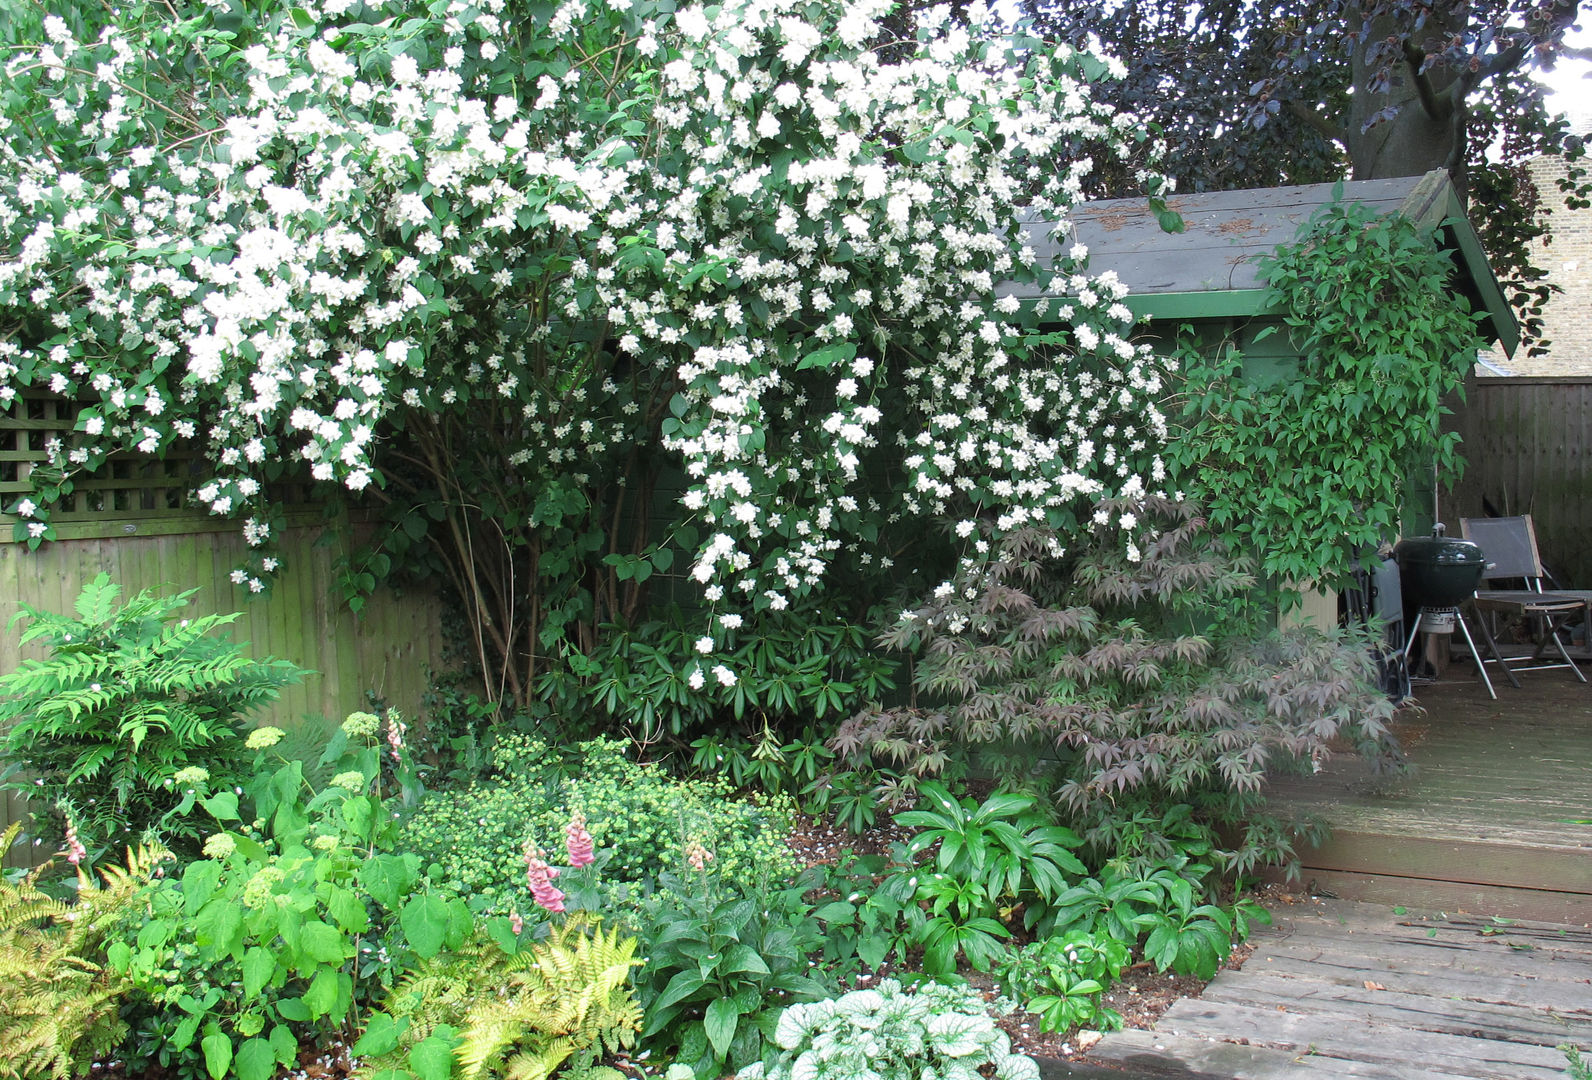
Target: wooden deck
{"x": 1496, "y": 818}
{"x": 1337, "y": 988}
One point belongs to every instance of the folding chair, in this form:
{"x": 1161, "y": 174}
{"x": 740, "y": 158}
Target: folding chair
{"x": 1510, "y": 545}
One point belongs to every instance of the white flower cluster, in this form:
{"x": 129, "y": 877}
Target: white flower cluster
{"x": 738, "y": 221}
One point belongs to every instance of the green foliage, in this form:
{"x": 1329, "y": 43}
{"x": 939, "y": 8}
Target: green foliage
{"x": 722, "y": 961}
{"x": 59, "y": 1002}
{"x": 1063, "y": 978}
{"x": 1005, "y": 844}
{"x": 852, "y": 796}
{"x": 934, "y": 1033}
{"x": 1124, "y": 668}
{"x": 862, "y": 913}
{"x": 990, "y": 861}
{"x": 807, "y": 663}
{"x": 1309, "y": 472}
{"x": 641, "y": 819}
{"x": 519, "y": 1013}
{"x": 1575, "y": 1067}
{"x": 299, "y": 910}
{"x": 761, "y": 761}
{"x": 1165, "y": 909}
{"x": 130, "y": 695}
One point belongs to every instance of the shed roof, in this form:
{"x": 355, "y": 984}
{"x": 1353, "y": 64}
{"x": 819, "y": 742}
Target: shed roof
{"x": 1211, "y": 268}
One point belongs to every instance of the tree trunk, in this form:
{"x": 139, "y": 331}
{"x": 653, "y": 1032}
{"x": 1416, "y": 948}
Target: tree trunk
{"x": 1426, "y": 130}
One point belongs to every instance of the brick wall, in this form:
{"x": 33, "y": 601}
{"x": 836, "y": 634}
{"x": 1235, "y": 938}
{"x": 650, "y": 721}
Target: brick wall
{"x": 1566, "y": 253}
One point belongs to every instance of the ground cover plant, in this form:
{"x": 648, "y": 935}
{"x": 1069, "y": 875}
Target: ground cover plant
{"x": 641, "y": 818}
{"x": 934, "y": 1032}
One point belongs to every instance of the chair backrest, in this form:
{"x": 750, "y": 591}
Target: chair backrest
{"x": 1510, "y": 544}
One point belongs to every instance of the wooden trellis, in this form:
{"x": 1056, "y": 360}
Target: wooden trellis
{"x": 129, "y": 486}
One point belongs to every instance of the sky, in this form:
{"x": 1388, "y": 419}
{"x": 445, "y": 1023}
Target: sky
{"x": 1571, "y": 89}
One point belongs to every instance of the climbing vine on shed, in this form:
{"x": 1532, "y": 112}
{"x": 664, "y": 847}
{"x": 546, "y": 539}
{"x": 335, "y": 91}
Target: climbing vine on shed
{"x": 1310, "y": 471}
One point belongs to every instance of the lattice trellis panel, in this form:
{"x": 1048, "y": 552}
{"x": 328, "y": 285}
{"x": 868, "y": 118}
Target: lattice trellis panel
{"x": 128, "y": 486}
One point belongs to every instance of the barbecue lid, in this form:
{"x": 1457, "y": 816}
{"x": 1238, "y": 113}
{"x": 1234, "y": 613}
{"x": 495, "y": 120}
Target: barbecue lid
{"x": 1438, "y": 549}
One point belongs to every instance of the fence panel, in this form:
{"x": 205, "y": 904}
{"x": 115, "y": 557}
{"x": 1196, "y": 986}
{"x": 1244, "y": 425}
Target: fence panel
{"x": 388, "y": 649}
{"x": 1527, "y": 443}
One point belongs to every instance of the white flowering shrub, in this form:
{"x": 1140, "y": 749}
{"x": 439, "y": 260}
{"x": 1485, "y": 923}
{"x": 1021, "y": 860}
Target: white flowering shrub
{"x": 936, "y": 1032}
{"x": 495, "y": 267}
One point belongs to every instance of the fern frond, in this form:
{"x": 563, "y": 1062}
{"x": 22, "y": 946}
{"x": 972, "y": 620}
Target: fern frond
{"x": 567, "y": 994}
{"x": 59, "y": 1006}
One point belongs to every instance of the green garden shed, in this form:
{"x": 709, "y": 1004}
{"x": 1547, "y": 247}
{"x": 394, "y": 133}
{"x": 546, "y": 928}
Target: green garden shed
{"x": 1208, "y": 277}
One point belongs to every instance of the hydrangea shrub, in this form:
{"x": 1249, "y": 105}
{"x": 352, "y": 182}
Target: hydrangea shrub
{"x": 492, "y": 265}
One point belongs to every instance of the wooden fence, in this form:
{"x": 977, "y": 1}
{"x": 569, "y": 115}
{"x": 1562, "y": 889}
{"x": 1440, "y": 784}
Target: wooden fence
{"x": 388, "y": 649}
{"x": 1528, "y": 448}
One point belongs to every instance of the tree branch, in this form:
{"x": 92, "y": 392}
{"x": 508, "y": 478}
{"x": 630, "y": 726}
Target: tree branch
{"x": 1316, "y": 122}
{"x": 1438, "y": 108}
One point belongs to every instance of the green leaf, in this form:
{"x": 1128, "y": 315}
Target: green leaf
{"x": 321, "y": 997}
{"x": 679, "y": 988}
{"x": 425, "y": 922}
{"x": 218, "y": 928}
{"x": 217, "y": 1047}
{"x": 379, "y": 1037}
{"x": 258, "y": 967}
{"x": 432, "y": 1057}
{"x": 323, "y": 943}
{"x": 199, "y": 883}
{"x": 223, "y": 806}
{"x": 828, "y": 356}
{"x": 388, "y": 879}
{"x": 719, "y": 1023}
{"x": 743, "y": 958}
{"x": 256, "y": 1060}
{"x": 348, "y": 909}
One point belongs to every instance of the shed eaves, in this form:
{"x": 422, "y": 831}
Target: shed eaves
{"x": 1211, "y": 269}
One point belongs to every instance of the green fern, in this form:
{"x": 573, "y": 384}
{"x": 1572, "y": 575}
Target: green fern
{"x": 129, "y": 696}
{"x": 59, "y": 1005}
{"x": 567, "y": 995}
{"x": 561, "y": 1003}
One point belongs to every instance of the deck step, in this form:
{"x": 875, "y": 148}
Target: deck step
{"x": 1346, "y": 989}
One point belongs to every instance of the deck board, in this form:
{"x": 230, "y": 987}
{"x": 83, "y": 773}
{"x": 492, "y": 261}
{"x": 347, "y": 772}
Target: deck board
{"x": 1344, "y": 989}
{"x": 1497, "y": 809}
